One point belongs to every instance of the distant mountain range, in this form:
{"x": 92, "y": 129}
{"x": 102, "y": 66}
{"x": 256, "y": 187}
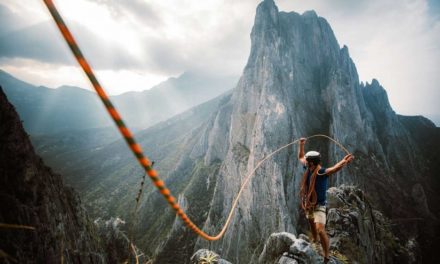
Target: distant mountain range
{"x": 49, "y": 111}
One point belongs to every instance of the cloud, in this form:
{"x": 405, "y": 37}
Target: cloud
{"x": 7, "y": 17}
{"x": 395, "y": 42}
{"x": 38, "y": 42}
{"x": 167, "y": 42}
{"x": 44, "y": 74}
{"x": 134, "y": 35}
{"x": 135, "y": 10}
{"x": 44, "y": 43}
{"x": 53, "y": 76}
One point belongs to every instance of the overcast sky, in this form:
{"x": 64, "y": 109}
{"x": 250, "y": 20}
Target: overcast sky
{"x": 135, "y": 44}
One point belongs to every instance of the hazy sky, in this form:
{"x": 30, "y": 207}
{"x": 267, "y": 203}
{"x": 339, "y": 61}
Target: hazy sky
{"x": 135, "y": 44}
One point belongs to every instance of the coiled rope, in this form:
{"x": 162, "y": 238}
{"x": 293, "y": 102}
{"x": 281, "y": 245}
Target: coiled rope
{"x": 136, "y": 148}
{"x": 308, "y": 194}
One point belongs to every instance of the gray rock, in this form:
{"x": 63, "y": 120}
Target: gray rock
{"x": 276, "y": 244}
{"x": 303, "y": 252}
{"x": 287, "y": 260}
{"x": 285, "y": 248}
{"x": 360, "y": 233}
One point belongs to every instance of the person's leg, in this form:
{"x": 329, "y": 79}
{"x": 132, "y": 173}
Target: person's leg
{"x": 313, "y": 229}
{"x": 320, "y": 220}
{"x": 320, "y": 227}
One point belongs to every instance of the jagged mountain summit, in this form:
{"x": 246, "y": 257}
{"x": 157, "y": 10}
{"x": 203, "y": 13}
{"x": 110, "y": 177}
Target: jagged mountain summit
{"x": 298, "y": 81}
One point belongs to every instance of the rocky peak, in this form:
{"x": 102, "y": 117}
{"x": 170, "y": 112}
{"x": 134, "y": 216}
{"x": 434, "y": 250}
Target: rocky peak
{"x": 267, "y": 12}
{"x": 376, "y": 97}
{"x": 310, "y": 14}
{"x": 292, "y": 35}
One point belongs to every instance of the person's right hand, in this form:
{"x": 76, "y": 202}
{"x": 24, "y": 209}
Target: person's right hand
{"x": 302, "y": 140}
{"x": 348, "y": 158}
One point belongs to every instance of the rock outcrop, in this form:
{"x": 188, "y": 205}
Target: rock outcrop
{"x": 358, "y": 234}
{"x": 286, "y": 248}
{"x": 33, "y": 196}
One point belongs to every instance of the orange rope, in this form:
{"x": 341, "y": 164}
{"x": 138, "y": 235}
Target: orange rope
{"x": 125, "y": 132}
{"x": 3, "y": 225}
{"x": 308, "y": 193}
{"x": 136, "y": 148}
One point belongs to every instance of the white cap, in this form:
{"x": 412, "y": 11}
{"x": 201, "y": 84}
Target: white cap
{"x": 312, "y": 154}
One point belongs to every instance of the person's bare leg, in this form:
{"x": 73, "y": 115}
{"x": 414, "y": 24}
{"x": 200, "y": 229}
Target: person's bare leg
{"x": 324, "y": 239}
{"x": 313, "y": 229}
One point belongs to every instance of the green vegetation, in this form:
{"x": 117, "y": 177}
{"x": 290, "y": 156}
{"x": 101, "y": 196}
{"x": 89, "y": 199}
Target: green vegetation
{"x": 210, "y": 258}
{"x": 241, "y": 152}
{"x": 341, "y": 257}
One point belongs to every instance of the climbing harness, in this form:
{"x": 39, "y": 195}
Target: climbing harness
{"x": 136, "y": 148}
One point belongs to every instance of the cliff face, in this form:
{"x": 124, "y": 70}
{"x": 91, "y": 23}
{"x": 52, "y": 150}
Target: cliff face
{"x": 32, "y": 195}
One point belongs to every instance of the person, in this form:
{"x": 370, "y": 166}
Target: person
{"x": 313, "y": 192}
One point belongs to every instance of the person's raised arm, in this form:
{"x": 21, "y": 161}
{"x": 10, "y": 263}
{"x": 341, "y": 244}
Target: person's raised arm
{"x": 338, "y": 166}
{"x": 301, "y": 158}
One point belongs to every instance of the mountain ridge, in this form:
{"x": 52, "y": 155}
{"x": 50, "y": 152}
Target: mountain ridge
{"x": 71, "y": 108}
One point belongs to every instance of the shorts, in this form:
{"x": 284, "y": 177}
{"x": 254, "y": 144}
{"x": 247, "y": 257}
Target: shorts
{"x": 318, "y": 214}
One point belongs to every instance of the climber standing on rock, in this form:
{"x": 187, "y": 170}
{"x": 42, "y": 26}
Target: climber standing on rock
{"x": 313, "y": 192}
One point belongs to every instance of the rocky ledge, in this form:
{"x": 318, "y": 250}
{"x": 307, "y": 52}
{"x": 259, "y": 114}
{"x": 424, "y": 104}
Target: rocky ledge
{"x": 358, "y": 234}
